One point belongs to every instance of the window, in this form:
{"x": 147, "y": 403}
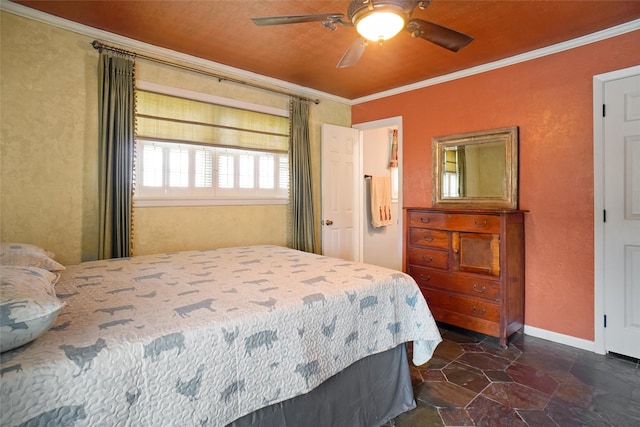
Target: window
{"x": 192, "y": 172}
{"x": 395, "y": 184}
{"x": 450, "y": 175}
{"x": 450, "y": 184}
{"x": 193, "y": 149}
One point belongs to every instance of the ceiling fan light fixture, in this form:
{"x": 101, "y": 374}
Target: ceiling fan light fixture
{"x": 379, "y": 24}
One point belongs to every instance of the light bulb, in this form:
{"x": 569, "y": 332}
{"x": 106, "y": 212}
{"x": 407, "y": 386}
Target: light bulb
{"x": 380, "y": 25}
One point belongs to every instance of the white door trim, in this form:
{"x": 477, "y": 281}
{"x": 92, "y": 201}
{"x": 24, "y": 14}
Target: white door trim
{"x": 359, "y": 196}
{"x": 598, "y": 199}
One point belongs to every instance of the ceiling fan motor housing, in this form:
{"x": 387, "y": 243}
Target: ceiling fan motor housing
{"x": 358, "y": 8}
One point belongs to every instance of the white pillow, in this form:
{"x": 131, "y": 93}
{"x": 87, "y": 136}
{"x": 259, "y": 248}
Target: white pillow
{"x": 26, "y": 255}
{"x": 28, "y": 304}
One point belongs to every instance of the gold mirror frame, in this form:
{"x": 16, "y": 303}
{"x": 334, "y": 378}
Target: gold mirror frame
{"x": 504, "y": 198}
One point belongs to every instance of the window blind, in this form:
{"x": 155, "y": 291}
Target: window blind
{"x": 164, "y": 117}
{"x": 450, "y": 161}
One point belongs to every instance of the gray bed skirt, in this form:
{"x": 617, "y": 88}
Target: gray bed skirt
{"x": 368, "y": 393}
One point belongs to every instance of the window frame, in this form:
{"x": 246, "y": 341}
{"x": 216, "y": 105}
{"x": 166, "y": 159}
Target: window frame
{"x": 190, "y": 197}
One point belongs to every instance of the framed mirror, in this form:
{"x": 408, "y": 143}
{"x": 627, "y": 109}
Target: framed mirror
{"x": 476, "y": 170}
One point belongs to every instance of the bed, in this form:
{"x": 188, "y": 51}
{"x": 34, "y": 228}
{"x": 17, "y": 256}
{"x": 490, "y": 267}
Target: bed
{"x": 254, "y": 335}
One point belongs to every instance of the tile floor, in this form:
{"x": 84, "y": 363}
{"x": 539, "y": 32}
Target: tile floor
{"x": 472, "y": 381}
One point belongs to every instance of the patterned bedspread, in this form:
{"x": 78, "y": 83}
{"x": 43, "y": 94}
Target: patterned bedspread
{"x": 201, "y": 338}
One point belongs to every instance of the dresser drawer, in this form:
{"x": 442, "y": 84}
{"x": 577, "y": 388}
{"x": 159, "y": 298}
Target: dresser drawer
{"x": 428, "y": 237}
{"x": 467, "y": 322}
{"x": 455, "y": 221}
{"x": 473, "y": 286}
{"x": 428, "y": 258}
{"x": 427, "y": 219}
{"x": 474, "y": 222}
{"x": 463, "y": 305}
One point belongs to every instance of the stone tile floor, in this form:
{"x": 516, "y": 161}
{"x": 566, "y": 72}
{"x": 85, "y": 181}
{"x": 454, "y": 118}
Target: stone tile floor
{"x": 472, "y": 381}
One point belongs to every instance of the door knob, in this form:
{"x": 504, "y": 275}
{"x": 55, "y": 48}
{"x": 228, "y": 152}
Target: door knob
{"x": 328, "y": 222}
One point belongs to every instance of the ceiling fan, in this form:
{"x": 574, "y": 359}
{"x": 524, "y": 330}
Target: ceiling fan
{"x": 377, "y": 21}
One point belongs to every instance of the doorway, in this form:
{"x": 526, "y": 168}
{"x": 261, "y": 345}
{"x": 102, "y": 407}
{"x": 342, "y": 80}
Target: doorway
{"x": 617, "y": 212}
{"x": 380, "y": 245}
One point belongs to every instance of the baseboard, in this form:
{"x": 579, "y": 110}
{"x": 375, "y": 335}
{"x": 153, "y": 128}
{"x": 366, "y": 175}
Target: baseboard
{"x": 560, "y": 338}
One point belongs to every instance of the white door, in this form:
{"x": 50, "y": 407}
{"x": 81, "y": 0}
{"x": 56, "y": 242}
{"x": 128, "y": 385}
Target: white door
{"x": 622, "y": 222}
{"x": 339, "y": 166}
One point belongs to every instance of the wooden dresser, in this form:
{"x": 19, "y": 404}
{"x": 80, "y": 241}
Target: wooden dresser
{"x": 469, "y": 265}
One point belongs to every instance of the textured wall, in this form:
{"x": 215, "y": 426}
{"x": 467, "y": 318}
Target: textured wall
{"x": 49, "y": 132}
{"x": 550, "y": 99}
{"x": 201, "y": 227}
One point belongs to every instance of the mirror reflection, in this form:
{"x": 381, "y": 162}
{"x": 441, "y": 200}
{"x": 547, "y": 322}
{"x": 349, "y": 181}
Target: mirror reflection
{"x": 478, "y": 169}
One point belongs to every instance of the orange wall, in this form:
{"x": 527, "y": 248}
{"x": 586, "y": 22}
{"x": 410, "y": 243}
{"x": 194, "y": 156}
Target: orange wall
{"x": 550, "y": 99}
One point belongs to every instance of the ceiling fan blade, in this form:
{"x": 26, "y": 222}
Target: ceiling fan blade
{"x": 297, "y": 19}
{"x": 353, "y": 53}
{"x": 437, "y": 34}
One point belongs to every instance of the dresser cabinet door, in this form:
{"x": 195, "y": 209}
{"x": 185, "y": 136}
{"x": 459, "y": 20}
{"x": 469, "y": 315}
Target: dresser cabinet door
{"x": 477, "y": 252}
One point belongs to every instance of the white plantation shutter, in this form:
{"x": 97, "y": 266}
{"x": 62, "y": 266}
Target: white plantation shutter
{"x": 283, "y": 171}
{"x": 246, "y": 167}
{"x": 203, "y": 168}
{"x": 178, "y": 167}
{"x": 152, "y": 170}
{"x": 267, "y": 171}
{"x": 226, "y": 171}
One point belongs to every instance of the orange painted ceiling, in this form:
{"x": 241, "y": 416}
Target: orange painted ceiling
{"x": 306, "y": 54}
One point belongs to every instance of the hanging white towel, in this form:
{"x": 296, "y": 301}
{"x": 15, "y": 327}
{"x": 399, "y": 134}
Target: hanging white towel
{"x": 380, "y": 201}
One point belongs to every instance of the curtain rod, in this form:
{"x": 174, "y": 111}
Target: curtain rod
{"x": 99, "y": 46}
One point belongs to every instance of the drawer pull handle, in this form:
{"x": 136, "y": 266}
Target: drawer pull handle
{"x": 480, "y": 291}
{"x": 425, "y": 220}
{"x": 424, "y": 258}
{"x": 481, "y": 312}
{"x": 480, "y": 224}
{"x": 428, "y": 237}
{"x": 425, "y": 278}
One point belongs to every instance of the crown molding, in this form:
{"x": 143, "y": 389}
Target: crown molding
{"x": 146, "y": 48}
{"x": 527, "y": 56}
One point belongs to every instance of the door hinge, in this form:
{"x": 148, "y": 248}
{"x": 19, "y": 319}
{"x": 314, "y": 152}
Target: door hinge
{"x": 605, "y": 320}
{"x": 604, "y": 215}
{"x": 604, "y": 110}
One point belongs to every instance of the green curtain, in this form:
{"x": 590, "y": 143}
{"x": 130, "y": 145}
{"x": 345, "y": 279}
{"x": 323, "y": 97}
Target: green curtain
{"x": 301, "y": 227}
{"x": 116, "y": 151}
